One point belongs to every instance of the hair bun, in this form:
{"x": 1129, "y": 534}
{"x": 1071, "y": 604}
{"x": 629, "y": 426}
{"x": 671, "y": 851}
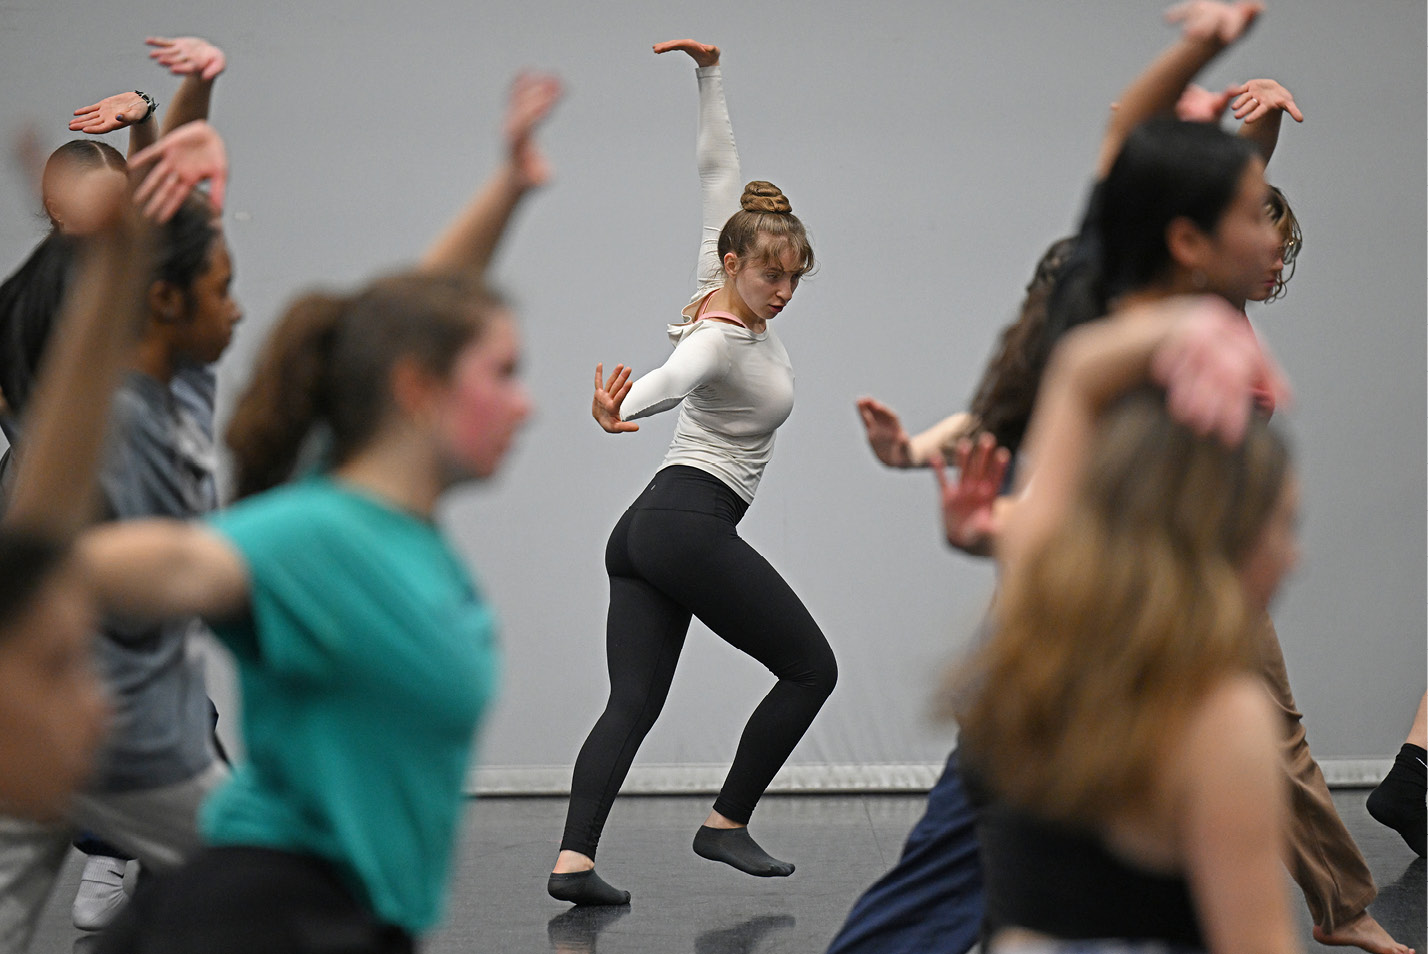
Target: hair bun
{"x": 761, "y": 196}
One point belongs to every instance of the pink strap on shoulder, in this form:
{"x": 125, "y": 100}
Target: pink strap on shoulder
{"x": 727, "y": 317}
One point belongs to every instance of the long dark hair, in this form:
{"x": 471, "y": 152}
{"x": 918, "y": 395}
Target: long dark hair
{"x": 328, "y": 363}
{"x": 31, "y": 297}
{"x": 1167, "y": 169}
{"x": 1004, "y": 397}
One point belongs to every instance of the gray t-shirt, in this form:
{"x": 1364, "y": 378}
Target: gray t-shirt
{"x": 158, "y": 463}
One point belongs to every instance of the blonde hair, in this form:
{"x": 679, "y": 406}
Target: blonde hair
{"x": 765, "y": 211}
{"x": 1110, "y": 635}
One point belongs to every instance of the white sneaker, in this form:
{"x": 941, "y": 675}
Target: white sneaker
{"x": 101, "y": 893}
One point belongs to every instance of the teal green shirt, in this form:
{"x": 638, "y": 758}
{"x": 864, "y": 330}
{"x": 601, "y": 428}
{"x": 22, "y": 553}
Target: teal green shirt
{"x": 365, "y": 663}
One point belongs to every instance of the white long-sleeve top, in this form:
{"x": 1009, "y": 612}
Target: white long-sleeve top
{"x": 736, "y": 386}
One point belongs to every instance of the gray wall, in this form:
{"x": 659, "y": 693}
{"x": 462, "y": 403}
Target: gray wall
{"x": 934, "y": 149}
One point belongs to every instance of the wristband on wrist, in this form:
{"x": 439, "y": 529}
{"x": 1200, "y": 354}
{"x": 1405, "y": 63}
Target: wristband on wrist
{"x": 152, "y": 103}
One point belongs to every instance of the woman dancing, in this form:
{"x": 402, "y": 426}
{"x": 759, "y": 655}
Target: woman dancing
{"x": 365, "y": 652}
{"x": 676, "y": 552}
{"x": 1114, "y": 724}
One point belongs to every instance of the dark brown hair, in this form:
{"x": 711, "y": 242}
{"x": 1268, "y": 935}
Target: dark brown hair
{"x": 328, "y": 362}
{"x": 1284, "y": 220}
{"x": 1004, "y": 397}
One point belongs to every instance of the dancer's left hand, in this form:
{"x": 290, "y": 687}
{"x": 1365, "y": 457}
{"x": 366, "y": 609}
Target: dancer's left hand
{"x": 188, "y": 56}
{"x": 533, "y": 96}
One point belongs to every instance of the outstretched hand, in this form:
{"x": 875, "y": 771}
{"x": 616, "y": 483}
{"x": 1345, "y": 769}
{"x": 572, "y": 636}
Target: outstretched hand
{"x": 111, "y": 113}
{"x": 1200, "y": 105}
{"x": 887, "y": 438}
{"x": 533, "y": 96}
{"x": 1258, "y": 98}
{"x": 969, "y": 514}
{"x": 187, "y": 56}
{"x": 189, "y": 155}
{"x": 609, "y": 395}
{"x": 1211, "y": 365}
{"x": 1212, "y": 21}
{"x": 703, "y": 54}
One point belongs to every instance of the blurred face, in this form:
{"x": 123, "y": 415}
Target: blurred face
{"x": 765, "y": 282}
{"x": 1283, "y": 258}
{"x": 1244, "y": 251}
{"x": 52, "y": 707}
{"x": 483, "y": 404}
{"x": 1276, "y": 552}
{"x": 212, "y": 310}
{"x": 80, "y": 201}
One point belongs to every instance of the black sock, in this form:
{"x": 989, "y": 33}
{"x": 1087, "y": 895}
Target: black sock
{"x": 584, "y": 887}
{"x": 1398, "y": 802}
{"x": 736, "y": 847}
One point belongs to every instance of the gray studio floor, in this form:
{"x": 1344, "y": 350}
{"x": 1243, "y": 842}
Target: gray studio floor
{"x": 685, "y": 905}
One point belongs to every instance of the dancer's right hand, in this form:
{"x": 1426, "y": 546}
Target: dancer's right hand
{"x": 886, "y": 436}
{"x": 111, "y": 113}
{"x": 703, "y": 54}
{"x": 1211, "y": 21}
{"x": 1210, "y": 365}
{"x": 609, "y": 395}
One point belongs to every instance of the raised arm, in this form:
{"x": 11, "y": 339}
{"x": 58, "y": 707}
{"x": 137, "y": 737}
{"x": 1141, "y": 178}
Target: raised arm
{"x": 54, "y": 491}
{"x": 1207, "y": 27}
{"x": 1261, "y": 105}
{"x": 470, "y": 241}
{"x": 1198, "y": 349}
{"x": 199, "y": 63}
{"x": 720, "y": 180}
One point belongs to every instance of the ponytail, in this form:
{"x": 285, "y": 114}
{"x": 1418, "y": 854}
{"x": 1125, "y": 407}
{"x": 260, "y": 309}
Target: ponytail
{"x": 284, "y": 399}
{"x": 329, "y": 362}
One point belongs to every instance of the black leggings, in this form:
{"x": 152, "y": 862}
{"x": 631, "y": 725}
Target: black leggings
{"x": 676, "y": 553}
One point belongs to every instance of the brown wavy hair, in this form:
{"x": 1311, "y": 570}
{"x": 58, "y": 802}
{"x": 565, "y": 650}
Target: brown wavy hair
{"x": 1007, "y": 391}
{"x": 329, "y": 360}
{"x": 765, "y": 210}
{"x": 1285, "y": 220}
{"x": 1110, "y": 635}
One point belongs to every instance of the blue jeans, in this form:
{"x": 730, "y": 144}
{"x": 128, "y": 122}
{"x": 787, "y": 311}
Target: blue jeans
{"x": 930, "y": 902}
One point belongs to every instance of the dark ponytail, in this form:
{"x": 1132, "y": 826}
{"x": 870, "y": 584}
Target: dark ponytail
{"x": 329, "y": 362}
{"x": 29, "y": 303}
{"x": 281, "y": 404}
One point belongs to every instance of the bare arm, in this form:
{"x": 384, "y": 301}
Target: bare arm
{"x": 55, "y": 487}
{"x": 1207, "y": 28}
{"x": 199, "y": 63}
{"x": 164, "y": 569}
{"x": 892, "y": 445}
{"x": 470, "y": 241}
{"x": 1199, "y": 349}
{"x": 1232, "y": 815}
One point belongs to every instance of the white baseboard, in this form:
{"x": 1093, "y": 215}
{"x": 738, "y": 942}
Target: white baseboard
{"x": 804, "y": 779}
